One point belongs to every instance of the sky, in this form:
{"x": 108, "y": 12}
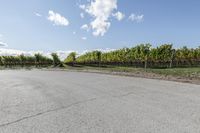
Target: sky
{"x": 81, "y": 25}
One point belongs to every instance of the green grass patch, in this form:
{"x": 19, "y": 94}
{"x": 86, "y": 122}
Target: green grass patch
{"x": 182, "y": 72}
{"x": 193, "y": 72}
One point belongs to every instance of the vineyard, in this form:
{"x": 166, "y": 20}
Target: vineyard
{"x": 144, "y": 56}
{"x": 164, "y": 56}
{"x": 37, "y": 60}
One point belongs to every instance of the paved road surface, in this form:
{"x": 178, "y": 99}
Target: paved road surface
{"x": 73, "y": 102}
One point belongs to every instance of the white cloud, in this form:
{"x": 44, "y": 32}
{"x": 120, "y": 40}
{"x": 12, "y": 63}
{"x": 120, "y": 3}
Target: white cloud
{"x": 100, "y": 27}
{"x": 82, "y": 7}
{"x": 62, "y": 54}
{"x": 82, "y": 15}
{"x": 85, "y": 27}
{"x": 137, "y": 18}
{"x": 105, "y": 50}
{"x": 10, "y": 52}
{"x": 37, "y": 14}
{"x": 57, "y": 19}
{"x": 118, "y": 15}
{"x": 84, "y": 38}
{"x": 3, "y": 44}
{"x": 13, "y": 52}
{"x": 102, "y": 50}
{"x": 74, "y": 32}
{"x": 100, "y": 10}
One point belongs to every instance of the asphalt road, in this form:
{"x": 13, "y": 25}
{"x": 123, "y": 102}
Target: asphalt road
{"x": 74, "y": 102}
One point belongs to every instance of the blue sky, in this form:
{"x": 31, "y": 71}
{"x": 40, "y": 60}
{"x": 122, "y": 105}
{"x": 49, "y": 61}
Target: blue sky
{"x": 53, "y": 25}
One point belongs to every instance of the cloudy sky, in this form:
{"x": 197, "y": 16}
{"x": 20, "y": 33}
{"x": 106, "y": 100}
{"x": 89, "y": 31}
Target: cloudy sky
{"x": 66, "y": 25}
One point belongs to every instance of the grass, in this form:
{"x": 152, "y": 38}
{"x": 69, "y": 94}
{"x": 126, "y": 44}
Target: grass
{"x": 193, "y": 72}
{"x": 181, "y": 72}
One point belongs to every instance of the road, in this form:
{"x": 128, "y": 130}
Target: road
{"x": 74, "y": 102}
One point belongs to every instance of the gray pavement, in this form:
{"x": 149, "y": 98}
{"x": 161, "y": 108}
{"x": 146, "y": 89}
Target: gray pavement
{"x": 74, "y": 102}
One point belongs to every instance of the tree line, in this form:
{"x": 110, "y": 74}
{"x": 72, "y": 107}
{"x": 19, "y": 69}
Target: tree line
{"x": 143, "y": 55}
{"x": 37, "y": 60}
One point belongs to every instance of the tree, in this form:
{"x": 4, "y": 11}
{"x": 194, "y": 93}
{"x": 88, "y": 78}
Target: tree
{"x": 98, "y": 53}
{"x": 42, "y": 60}
{"x": 172, "y": 57}
{"x": 56, "y": 60}
{"x": 22, "y": 59}
{"x": 71, "y": 58}
{"x": 145, "y": 53}
{"x": 1, "y": 61}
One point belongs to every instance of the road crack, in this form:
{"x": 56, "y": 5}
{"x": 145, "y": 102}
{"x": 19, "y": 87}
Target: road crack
{"x": 47, "y": 111}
